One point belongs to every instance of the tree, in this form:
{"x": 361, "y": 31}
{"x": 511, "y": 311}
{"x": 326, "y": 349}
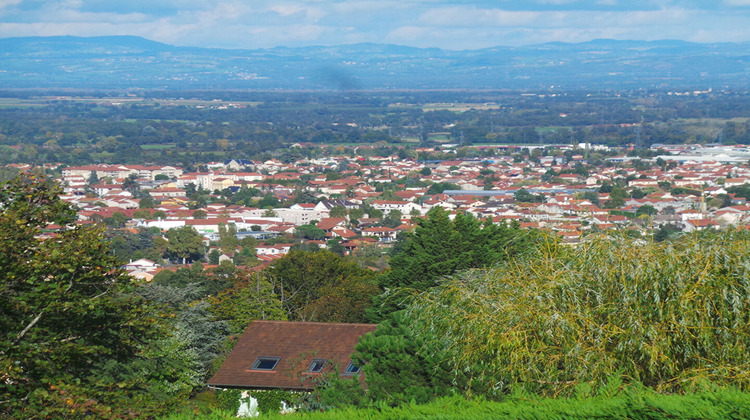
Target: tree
{"x": 440, "y": 187}
{"x": 190, "y": 190}
{"x": 356, "y": 214}
{"x": 200, "y": 280}
{"x": 64, "y": 350}
{"x": 338, "y": 211}
{"x": 199, "y": 203}
{"x": 375, "y": 213}
{"x": 664, "y": 185}
{"x": 146, "y": 202}
{"x": 370, "y": 256}
{"x": 742, "y": 191}
{"x": 720, "y": 201}
{"x": 592, "y": 196}
{"x": 93, "y": 178}
{"x": 251, "y": 297}
{"x": 322, "y": 286}
{"x": 305, "y": 196}
{"x": 440, "y": 247}
{"x": 399, "y": 364}
{"x": 333, "y": 176}
{"x": 395, "y": 214}
{"x": 249, "y": 242}
{"x": 228, "y": 238}
{"x": 334, "y": 245}
{"x": 647, "y": 210}
{"x": 117, "y": 220}
{"x": 204, "y": 336}
{"x": 246, "y": 256}
{"x": 616, "y": 198}
{"x": 185, "y": 244}
{"x": 213, "y": 257}
{"x": 142, "y": 214}
{"x": 637, "y": 193}
{"x": 667, "y": 231}
{"x": 131, "y": 184}
{"x": 523, "y": 196}
{"x": 8, "y": 173}
{"x": 309, "y": 232}
{"x": 268, "y": 201}
{"x": 129, "y": 246}
{"x": 200, "y": 214}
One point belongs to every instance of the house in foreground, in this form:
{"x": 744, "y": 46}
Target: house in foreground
{"x": 289, "y": 355}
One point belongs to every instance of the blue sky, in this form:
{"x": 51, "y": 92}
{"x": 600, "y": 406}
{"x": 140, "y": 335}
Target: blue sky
{"x": 449, "y": 24}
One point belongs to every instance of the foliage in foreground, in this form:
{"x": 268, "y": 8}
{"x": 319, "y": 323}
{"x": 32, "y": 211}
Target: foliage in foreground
{"x": 670, "y": 315}
{"x": 75, "y": 340}
{"x": 613, "y": 402}
{"x": 440, "y": 247}
{"x": 322, "y": 286}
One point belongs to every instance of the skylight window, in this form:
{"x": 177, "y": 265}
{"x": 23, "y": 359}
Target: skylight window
{"x": 266, "y": 363}
{"x": 316, "y": 366}
{"x": 351, "y": 369}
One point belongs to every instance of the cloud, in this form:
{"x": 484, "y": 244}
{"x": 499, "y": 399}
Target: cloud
{"x": 453, "y": 24}
{"x": 495, "y": 18}
{"x": 407, "y": 33}
{"x": 299, "y": 11}
{"x": 460, "y": 16}
{"x": 7, "y": 4}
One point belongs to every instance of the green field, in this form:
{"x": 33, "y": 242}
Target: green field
{"x": 158, "y": 146}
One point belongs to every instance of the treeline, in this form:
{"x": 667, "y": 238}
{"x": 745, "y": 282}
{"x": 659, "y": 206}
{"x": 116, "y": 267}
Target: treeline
{"x": 81, "y": 133}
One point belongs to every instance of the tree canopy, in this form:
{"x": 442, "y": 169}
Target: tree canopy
{"x": 75, "y": 338}
{"x": 322, "y": 286}
{"x": 185, "y": 244}
{"x": 440, "y": 247}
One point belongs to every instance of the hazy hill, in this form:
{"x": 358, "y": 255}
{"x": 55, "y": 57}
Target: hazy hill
{"x": 131, "y": 62}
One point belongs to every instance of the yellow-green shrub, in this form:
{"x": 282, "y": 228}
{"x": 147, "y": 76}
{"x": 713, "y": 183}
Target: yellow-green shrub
{"x": 673, "y": 316}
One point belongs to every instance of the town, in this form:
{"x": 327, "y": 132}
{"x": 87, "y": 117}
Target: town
{"x": 353, "y": 199}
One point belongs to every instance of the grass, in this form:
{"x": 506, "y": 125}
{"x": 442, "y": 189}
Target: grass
{"x": 628, "y": 402}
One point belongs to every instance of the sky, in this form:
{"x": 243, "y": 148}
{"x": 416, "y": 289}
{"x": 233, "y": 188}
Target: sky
{"x": 447, "y": 24}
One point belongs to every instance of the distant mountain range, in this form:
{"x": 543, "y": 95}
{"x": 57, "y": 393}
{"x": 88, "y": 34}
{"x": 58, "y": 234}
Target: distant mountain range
{"x": 125, "y": 62}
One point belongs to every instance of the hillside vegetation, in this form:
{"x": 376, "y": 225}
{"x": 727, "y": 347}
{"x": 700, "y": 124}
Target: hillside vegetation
{"x": 672, "y": 316}
{"x": 615, "y": 327}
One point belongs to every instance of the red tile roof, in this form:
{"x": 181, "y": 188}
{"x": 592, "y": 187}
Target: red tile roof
{"x": 296, "y": 344}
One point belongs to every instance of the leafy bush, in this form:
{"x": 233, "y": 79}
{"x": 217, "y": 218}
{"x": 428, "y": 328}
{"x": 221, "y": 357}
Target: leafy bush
{"x": 269, "y": 401}
{"x": 228, "y": 399}
{"x": 401, "y": 367}
{"x": 673, "y": 316}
